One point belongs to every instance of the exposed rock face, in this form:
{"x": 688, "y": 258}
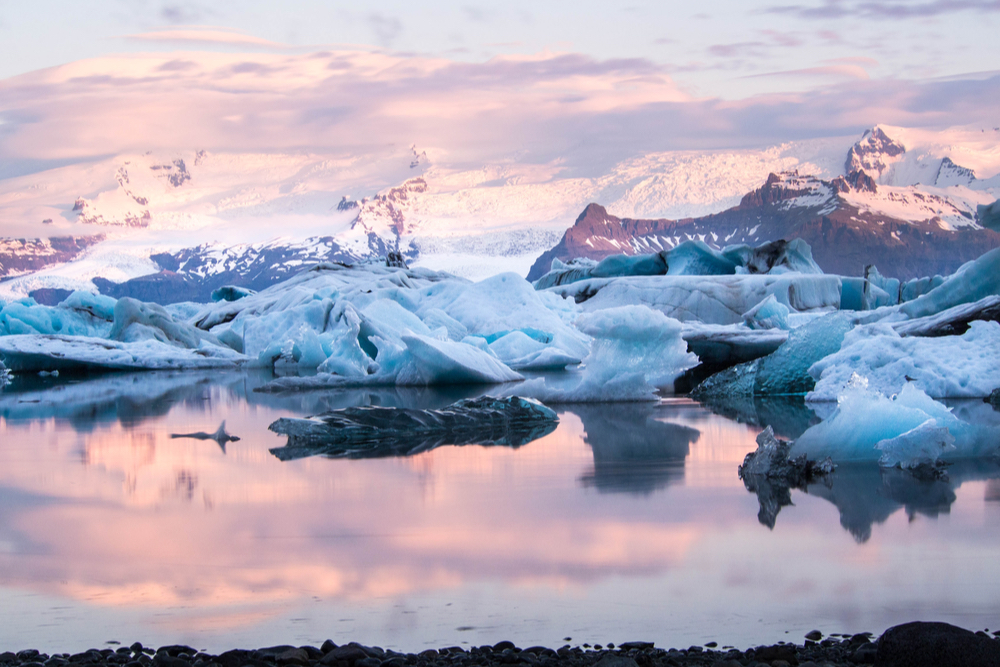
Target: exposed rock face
{"x": 20, "y": 256}
{"x": 950, "y": 173}
{"x": 873, "y": 153}
{"x": 844, "y": 237}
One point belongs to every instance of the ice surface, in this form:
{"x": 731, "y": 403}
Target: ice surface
{"x": 768, "y": 314}
{"x": 635, "y": 351}
{"x": 231, "y": 293}
{"x": 951, "y": 321}
{"x": 690, "y": 258}
{"x": 971, "y": 282}
{"x": 864, "y": 418}
{"x": 728, "y": 344}
{"x": 917, "y": 448}
{"x": 963, "y": 366}
{"x": 80, "y": 314}
{"x": 136, "y": 321}
{"x": 369, "y": 432}
{"x": 33, "y": 353}
{"x": 787, "y": 369}
{"x": 707, "y": 299}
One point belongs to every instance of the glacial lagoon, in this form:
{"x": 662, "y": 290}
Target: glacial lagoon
{"x": 625, "y": 522}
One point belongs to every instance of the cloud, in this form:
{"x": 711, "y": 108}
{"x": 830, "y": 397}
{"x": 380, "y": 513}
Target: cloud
{"x": 582, "y": 111}
{"x": 897, "y": 10}
{"x": 386, "y": 28}
{"x": 848, "y": 71}
{"x": 205, "y": 36}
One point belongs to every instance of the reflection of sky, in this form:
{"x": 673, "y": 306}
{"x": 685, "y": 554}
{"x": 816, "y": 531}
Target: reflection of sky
{"x": 113, "y": 530}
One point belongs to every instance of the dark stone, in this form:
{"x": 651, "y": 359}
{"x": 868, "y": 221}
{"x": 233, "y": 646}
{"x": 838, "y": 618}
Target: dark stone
{"x": 349, "y": 654}
{"x": 864, "y": 654}
{"x": 8, "y": 656}
{"x": 638, "y": 646}
{"x": 814, "y": 635}
{"x": 234, "y": 658}
{"x": 923, "y": 644}
{"x": 780, "y": 652}
{"x": 327, "y": 646}
{"x": 292, "y": 656}
{"x": 368, "y": 662}
{"x": 167, "y": 660}
{"x": 612, "y": 660}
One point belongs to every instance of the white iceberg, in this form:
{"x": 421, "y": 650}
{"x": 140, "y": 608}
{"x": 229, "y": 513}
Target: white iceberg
{"x": 919, "y": 447}
{"x": 966, "y": 366}
{"x": 635, "y": 351}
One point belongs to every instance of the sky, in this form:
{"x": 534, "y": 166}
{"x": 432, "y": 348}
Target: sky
{"x": 584, "y": 82}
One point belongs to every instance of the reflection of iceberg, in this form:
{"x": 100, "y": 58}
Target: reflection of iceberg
{"x": 789, "y": 416}
{"x": 633, "y": 451}
{"x": 373, "y": 432}
{"x": 866, "y": 494}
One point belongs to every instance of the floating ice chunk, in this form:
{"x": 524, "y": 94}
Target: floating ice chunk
{"x": 231, "y": 293}
{"x": 706, "y": 299}
{"x": 971, "y": 282}
{"x": 138, "y": 321}
{"x": 432, "y": 361}
{"x": 375, "y": 431}
{"x": 635, "y": 350}
{"x": 435, "y": 318}
{"x": 787, "y": 369}
{"x": 768, "y": 314}
{"x": 96, "y": 305}
{"x": 505, "y": 303}
{"x": 919, "y": 447}
{"x": 863, "y": 418}
{"x": 522, "y": 352}
{"x": 690, "y": 258}
{"x": 79, "y": 315}
{"x": 346, "y": 358}
{"x": 963, "y": 366}
{"x": 33, "y": 353}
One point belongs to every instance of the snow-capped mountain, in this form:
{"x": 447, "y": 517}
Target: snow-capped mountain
{"x": 214, "y": 218}
{"x": 849, "y": 221}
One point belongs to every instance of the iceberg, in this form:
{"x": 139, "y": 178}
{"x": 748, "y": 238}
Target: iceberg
{"x": 635, "y": 351}
{"x": 768, "y": 314}
{"x": 865, "y": 418}
{"x": 375, "y": 431}
{"x": 966, "y": 366}
{"x": 706, "y": 299}
{"x": 83, "y": 354}
{"x": 919, "y": 448}
{"x": 971, "y": 282}
{"x": 690, "y": 258}
{"x": 786, "y": 370}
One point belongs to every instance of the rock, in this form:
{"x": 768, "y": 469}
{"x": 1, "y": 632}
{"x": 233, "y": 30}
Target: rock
{"x": 612, "y": 660}
{"x": 994, "y": 399}
{"x": 350, "y": 654}
{"x": 780, "y": 652}
{"x": 292, "y": 656}
{"x": 814, "y": 635}
{"x": 923, "y": 644}
{"x": 864, "y": 654}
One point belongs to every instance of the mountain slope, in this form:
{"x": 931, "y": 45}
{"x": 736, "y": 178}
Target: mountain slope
{"x": 840, "y": 219}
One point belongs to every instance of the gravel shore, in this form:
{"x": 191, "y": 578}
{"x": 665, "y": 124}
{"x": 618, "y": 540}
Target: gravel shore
{"x": 910, "y": 645}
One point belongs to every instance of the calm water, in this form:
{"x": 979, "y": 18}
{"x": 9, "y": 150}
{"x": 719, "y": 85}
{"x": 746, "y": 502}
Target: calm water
{"x": 628, "y": 522}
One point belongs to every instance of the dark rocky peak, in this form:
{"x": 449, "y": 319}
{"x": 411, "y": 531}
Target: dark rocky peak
{"x": 778, "y": 188}
{"x": 347, "y": 204}
{"x": 873, "y": 153}
{"x": 857, "y": 181}
{"x": 950, "y": 173}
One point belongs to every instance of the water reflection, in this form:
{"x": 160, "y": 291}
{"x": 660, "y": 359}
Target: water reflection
{"x": 634, "y": 451}
{"x": 626, "y": 521}
{"x": 789, "y": 416}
